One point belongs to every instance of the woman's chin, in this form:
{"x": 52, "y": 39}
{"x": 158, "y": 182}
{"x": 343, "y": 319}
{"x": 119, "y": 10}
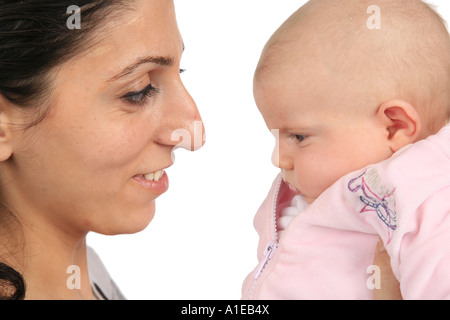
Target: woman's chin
{"x": 127, "y": 223}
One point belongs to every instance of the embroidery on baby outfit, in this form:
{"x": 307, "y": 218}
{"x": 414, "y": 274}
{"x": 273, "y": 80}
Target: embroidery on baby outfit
{"x": 379, "y": 202}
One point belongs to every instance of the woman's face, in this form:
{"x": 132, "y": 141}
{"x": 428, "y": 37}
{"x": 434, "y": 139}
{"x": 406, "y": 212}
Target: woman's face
{"x": 89, "y": 165}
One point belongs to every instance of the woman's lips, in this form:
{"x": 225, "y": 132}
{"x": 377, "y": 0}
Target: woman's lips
{"x": 156, "y": 182}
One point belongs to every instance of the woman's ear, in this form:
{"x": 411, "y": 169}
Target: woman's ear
{"x": 402, "y": 123}
{"x": 6, "y": 148}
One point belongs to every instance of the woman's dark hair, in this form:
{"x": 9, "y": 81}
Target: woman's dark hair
{"x": 35, "y": 37}
{"x": 11, "y": 283}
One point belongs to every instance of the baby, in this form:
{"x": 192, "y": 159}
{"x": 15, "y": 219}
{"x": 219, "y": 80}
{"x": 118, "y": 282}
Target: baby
{"x": 357, "y": 93}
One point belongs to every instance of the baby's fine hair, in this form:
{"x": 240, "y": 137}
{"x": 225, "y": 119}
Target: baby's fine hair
{"x": 406, "y": 57}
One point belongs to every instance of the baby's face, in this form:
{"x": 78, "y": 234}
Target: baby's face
{"x": 323, "y": 128}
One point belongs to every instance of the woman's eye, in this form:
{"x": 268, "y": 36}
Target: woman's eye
{"x": 299, "y": 137}
{"x": 140, "y": 97}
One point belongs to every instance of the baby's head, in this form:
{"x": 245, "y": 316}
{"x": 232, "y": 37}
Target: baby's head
{"x": 345, "y": 86}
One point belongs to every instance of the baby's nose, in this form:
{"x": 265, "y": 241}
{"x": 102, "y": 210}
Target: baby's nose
{"x": 281, "y": 157}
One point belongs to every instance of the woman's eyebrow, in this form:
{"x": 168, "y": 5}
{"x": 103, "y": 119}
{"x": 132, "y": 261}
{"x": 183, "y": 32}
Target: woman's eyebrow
{"x": 163, "y": 61}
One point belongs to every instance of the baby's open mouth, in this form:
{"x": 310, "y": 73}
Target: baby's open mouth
{"x": 292, "y": 187}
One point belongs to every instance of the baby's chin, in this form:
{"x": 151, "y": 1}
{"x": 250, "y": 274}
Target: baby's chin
{"x": 309, "y": 200}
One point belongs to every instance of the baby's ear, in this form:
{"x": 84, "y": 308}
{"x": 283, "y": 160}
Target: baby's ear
{"x": 5, "y": 131}
{"x": 401, "y": 121}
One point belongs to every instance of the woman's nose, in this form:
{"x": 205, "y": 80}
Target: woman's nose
{"x": 184, "y": 123}
{"x": 191, "y": 136}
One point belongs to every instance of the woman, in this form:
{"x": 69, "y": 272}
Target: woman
{"x": 89, "y": 118}
{"x": 86, "y": 122}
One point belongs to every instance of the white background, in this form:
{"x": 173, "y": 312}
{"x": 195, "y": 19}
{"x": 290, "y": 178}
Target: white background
{"x": 202, "y": 244}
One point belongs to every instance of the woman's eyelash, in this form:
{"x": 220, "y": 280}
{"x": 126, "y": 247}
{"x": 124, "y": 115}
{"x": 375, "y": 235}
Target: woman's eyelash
{"x": 140, "y": 97}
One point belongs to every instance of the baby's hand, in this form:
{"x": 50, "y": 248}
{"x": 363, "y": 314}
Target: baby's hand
{"x": 390, "y": 288}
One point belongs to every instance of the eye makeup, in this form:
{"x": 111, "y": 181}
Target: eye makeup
{"x": 142, "y": 97}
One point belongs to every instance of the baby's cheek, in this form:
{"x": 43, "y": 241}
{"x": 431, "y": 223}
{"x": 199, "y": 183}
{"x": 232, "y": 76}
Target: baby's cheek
{"x": 312, "y": 182}
{"x": 327, "y": 175}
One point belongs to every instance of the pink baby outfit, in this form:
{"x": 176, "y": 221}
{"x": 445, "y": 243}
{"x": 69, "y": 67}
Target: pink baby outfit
{"x": 327, "y": 251}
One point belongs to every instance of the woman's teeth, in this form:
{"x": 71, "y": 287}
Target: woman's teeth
{"x": 154, "y": 176}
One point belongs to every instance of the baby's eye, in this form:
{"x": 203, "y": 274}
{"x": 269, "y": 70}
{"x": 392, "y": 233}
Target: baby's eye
{"x": 299, "y": 137}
